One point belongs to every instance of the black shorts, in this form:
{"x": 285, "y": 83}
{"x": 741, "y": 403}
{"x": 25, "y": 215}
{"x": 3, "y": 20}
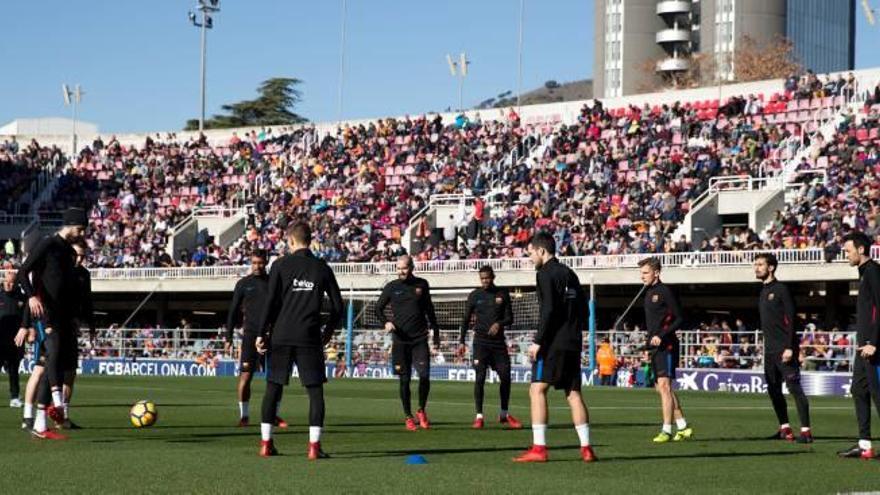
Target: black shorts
{"x": 488, "y": 356}
{"x": 9, "y": 352}
{"x": 776, "y": 372}
{"x": 664, "y": 361}
{"x": 309, "y": 363}
{"x": 408, "y": 355}
{"x": 249, "y": 360}
{"x": 562, "y": 369}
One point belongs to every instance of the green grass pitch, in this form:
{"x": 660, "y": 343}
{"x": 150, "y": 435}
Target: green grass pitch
{"x": 195, "y": 446}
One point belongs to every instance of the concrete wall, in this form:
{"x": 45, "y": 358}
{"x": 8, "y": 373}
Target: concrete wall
{"x": 183, "y": 238}
{"x": 703, "y": 220}
{"x": 765, "y": 211}
{"x": 640, "y": 26}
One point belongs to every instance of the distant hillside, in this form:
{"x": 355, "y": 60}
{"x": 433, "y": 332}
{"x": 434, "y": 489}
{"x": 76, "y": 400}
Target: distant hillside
{"x": 551, "y": 92}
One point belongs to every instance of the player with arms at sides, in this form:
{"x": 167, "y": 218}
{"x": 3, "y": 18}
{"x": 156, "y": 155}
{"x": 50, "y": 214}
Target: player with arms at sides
{"x": 248, "y": 300}
{"x": 53, "y": 300}
{"x": 292, "y": 332}
{"x": 12, "y": 304}
{"x": 85, "y": 316}
{"x": 866, "y": 362}
{"x": 413, "y": 313}
{"x": 557, "y": 346}
{"x": 663, "y": 317}
{"x": 781, "y": 349}
{"x": 494, "y": 312}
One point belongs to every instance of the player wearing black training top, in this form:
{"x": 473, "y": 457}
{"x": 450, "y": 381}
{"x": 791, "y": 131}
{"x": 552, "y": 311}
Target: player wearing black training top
{"x": 85, "y": 315}
{"x": 53, "y": 299}
{"x": 663, "y": 317}
{"x": 12, "y": 303}
{"x": 781, "y": 349}
{"x": 556, "y": 348}
{"x": 412, "y": 312}
{"x": 248, "y": 300}
{"x": 494, "y": 313}
{"x": 866, "y": 362}
{"x": 292, "y": 330}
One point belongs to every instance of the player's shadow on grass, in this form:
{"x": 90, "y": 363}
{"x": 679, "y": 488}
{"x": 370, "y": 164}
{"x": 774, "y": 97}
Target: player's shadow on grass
{"x": 698, "y": 455}
{"x": 430, "y": 451}
{"x": 389, "y": 423}
{"x": 601, "y": 425}
{"x": 765, "y": 439}
{"x": 126, "y": 405}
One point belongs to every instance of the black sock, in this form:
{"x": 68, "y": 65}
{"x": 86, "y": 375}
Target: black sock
{"x": 801, "y": 402}
{"x": 479, "y": 388}
{"x": 405, "y": 395}
{"x": 424, "y": 390}
{"x": 316, "y": 405}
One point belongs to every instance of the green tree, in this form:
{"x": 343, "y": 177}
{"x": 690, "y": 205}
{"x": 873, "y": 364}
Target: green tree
{"x": 274, "y": 106}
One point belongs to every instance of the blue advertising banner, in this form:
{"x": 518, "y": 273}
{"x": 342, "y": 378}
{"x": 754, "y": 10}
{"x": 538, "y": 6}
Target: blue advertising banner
{"x": 697, "y": 379}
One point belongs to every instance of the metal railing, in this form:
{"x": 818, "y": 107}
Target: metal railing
{"x": 820, "y": 351}
{"x": 694, "y": 259}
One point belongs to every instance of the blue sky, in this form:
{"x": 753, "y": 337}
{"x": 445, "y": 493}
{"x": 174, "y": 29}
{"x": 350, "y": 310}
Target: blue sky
{"x": 139, "y": 61}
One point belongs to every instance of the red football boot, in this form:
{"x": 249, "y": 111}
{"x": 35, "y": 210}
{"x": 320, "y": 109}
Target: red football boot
{"x": 56, "y": 414}
{"x": 537, "y": 453}
{"x": 588, "y": 455}
{"x": 48, "y": 435}
{"x": 267, "y": 448}
{"x": 245, "y": 421}
{"x": 478, "y": 424}
{"x": 411, "y": 424}
{"x": 511, "y": 423}
{"x": 280, "y": 423}
{"x": 315, "y": 452}
{"x": 423, "y": 419}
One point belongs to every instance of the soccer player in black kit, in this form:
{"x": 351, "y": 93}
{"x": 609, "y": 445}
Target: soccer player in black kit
{"x": 866, "y": 362}
{"x": 54, "y": 303}
{"x": 413, "y": 312}
{"x": 292, "y": 331}
{"x": 556, "y": 348}
{"x": 85, "y": 315}
{"x": 494, "y": 313}
{"x": 248, "y": 300}
{"x": 663, "y": 317}
{"x": 781, "y": 349}
{"x": 12, "y": 303}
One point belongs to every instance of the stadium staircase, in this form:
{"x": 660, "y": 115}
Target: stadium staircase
{"x": 225, "y": 225}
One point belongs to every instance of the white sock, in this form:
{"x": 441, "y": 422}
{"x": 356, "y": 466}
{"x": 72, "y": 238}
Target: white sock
{"x": 583, "y": 432}
{"x": 864, "y": 444}
{"x": 805, "y": 429}
{"x": 28, "y": 410}
{"x": 667, "y": 428}
{"x": 503, "y": 414}
{"x": 539, "y": 435}
{"x": 57, "y": 399}
{"x": 784, "y": 426}
{"x": 681, "y": 424}
{"x": 266, "y": 431}
{"x": 314, "y": 434}
{"x": 244, "y": 409}
{"x": 479, "y": 415}
{"x": 40, "y": 420}
{"x": 66, "y": 407}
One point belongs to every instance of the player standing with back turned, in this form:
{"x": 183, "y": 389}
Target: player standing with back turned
{"x": 781, "y": 349}
{"x": 413, "y": 312}
{"x": 556, "y": 351}
{"x": 494, "y": 312}
{"x": 662, "y": 318}
{"x": 292, "y": 331}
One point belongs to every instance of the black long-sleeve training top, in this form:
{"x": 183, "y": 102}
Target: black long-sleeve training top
{"x": 411, "y": 307}
{"x": 491, "y": 306}
{"x": 777, "y": 318}
{"x": 663, "y": 316}
{"x": 55, "y": 281}
{"x": 248, "y": 301}
{"x": 563, "y": 309}
{"x": 11, "y": 311}
{"x": 297, "y": 285}
{"x": 868, "y": 305}
{"x": 86, "y": 306}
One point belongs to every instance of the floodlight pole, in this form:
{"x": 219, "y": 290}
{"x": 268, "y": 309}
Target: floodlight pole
{"x": 206, "y": 7}
{"x": 522, "y": 7}
{"x": 204, "y": 30}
